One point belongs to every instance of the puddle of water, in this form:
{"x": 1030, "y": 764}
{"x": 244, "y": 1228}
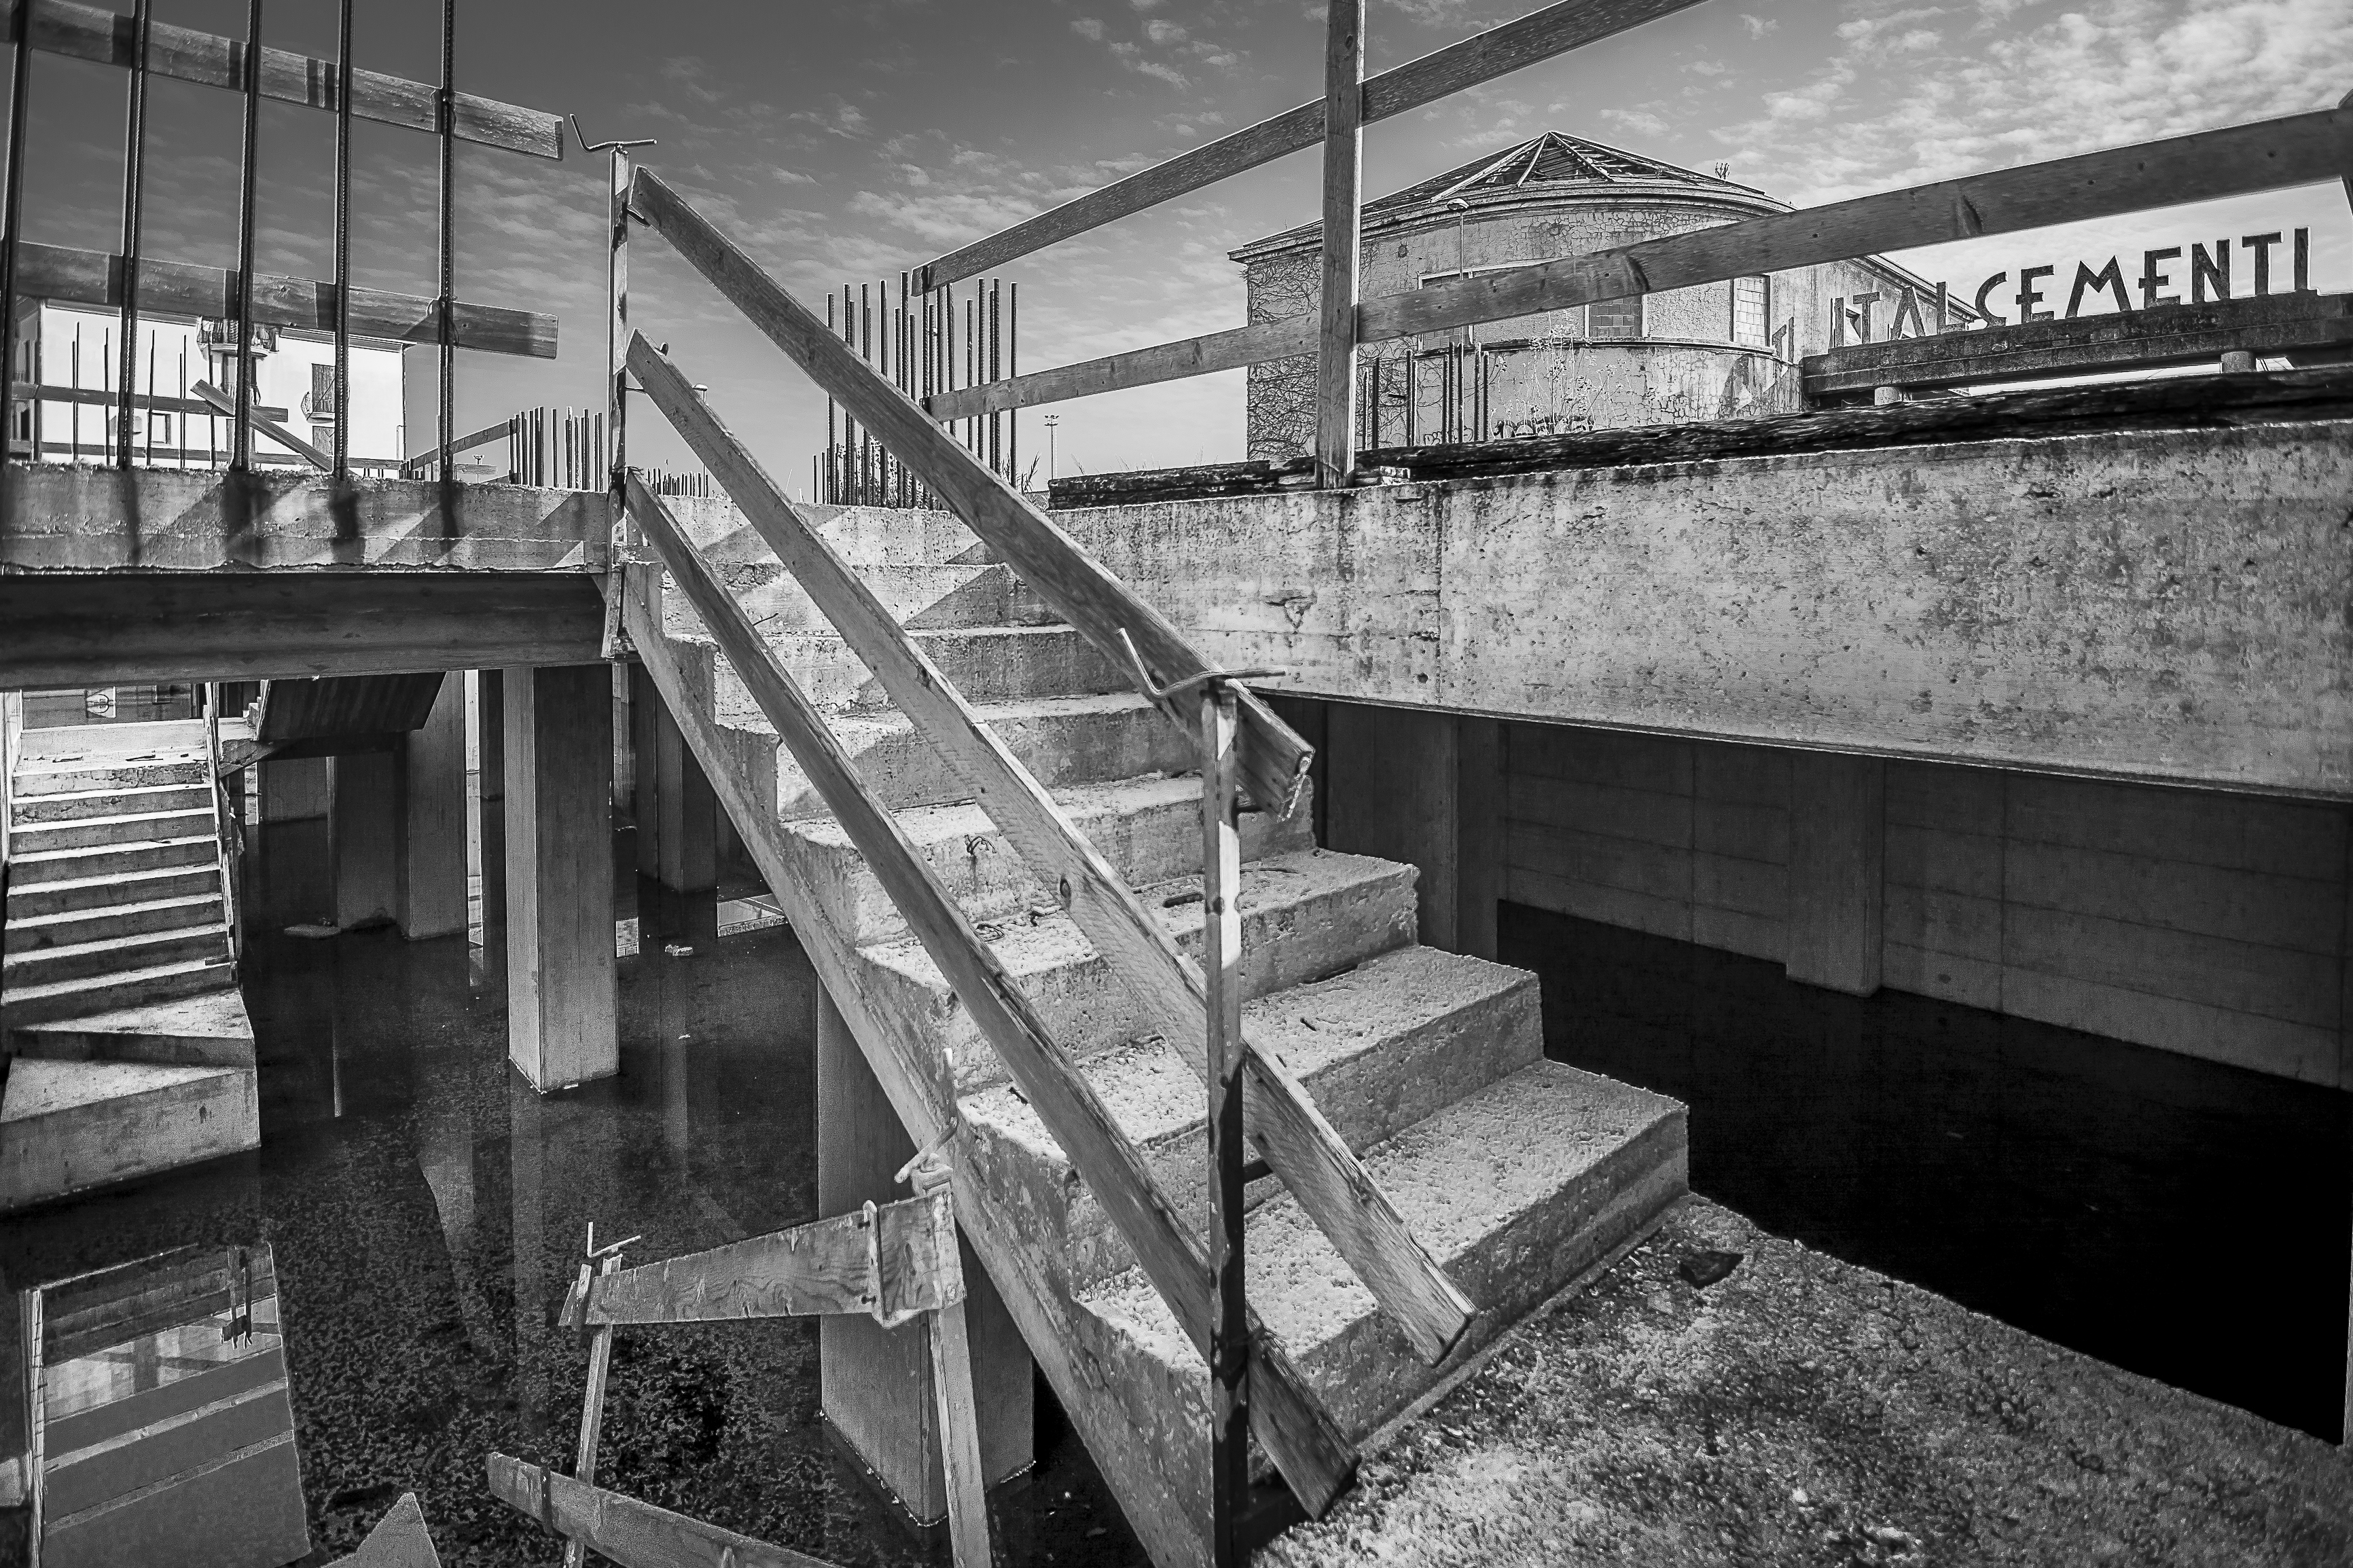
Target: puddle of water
{"x": 2125, "y": 1202}
{"x": 426, "y": 1210}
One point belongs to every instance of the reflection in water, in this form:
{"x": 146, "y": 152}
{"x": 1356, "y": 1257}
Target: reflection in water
{"x": 426, "y": 1212}
{"x": 2067, "y": 1184}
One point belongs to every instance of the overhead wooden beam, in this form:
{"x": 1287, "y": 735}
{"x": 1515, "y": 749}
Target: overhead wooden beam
{"x": 71, "y": 277}
{"x": 108, "y": 37}
{"x": 1497, "y": 52}
{"x": 632, "y": 1534}
{"x": 901, "y": 1259}
{"x": 1302, "y": 1148}
{"x": 1274, "y": 759}
{"x": 2301, "y": 149}
{"x": 1292, "y": 1424}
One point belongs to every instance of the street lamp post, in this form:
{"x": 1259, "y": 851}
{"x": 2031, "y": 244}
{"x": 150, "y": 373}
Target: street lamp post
{"x": 1051, "y": 420}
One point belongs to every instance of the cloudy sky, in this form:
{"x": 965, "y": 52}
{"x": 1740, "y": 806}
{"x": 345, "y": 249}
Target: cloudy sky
{"x": 841, "y": 141}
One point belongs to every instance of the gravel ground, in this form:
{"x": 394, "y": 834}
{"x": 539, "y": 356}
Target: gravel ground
{"x": 1805, "y": 1411}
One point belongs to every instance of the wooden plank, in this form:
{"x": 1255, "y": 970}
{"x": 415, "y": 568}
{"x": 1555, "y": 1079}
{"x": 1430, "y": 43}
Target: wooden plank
{"x": 592, "y": 1403}
{"x": 1205, "y": 356}
{"x": 1344, "y": 224}
{"x": 959, "y": 1434}
{"x": 71, "y": 277}
{"x": 2168, "y": 335}
{"x": 632, "y": 1534}
{"x": 416, "y": 467}
{"x": 269, "y": 427}
{"x": 1221, "y": 958}
{"x": 90, "y": 33}
{"x": 1314, "y": 1162}
{"x": 1274, "y": 759}
{"x": 826, "y": 1266}
{"x": 896, "y": 1049}
{"x": 1296, "y": 1431}
{"x": 23, "y": 391}
{"x": 2239, "y": 160}
{"x": 1497, "y": 52}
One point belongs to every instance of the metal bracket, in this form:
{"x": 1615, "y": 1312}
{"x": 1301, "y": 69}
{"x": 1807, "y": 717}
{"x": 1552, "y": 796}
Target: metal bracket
{"x": 1205, "y": 677}
{"x": 588, "y": 146}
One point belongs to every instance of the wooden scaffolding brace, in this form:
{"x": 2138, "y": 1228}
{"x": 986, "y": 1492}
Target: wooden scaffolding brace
{"x": 894, "y": 1262}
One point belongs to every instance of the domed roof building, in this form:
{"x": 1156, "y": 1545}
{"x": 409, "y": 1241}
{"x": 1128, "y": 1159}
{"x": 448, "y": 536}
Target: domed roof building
{"x": 1717, "y": 351}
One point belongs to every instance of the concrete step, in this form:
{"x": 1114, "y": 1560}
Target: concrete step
{"x": 1148, "y": 828}
{"x": 1516, "y": 1190}
{"x": 1305, "y": 915}
{"x": 1063, "y": 740}
{"x": 923, "y": 598}
{"x": 1391, "y": 1042}
{"x": 77, "y": 805}
{"x": 33, "y": 968}
{"x": 111, "y": 993}
{"x": 69, "y": 927}
{"x": 988, "y": 664}
{"x": 112, "y": 860}
{"x": 31, "y": 900}
{"x": 127, "y": 828}
{"x": 69, "y": 1126}
{"x": 210, "y": 1029}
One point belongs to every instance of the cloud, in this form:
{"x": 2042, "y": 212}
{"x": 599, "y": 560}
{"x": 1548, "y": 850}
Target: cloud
{"x": 1087, "y": 27}
{"x": 1635, "y": 119}
{"x": 1164, "y": 33}
{"x": 1759, "y": 26}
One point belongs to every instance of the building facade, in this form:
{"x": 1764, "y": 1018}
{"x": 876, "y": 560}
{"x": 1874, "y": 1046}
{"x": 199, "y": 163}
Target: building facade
{"x": 71, "y": 349}
{"x": 1717, "y": 351}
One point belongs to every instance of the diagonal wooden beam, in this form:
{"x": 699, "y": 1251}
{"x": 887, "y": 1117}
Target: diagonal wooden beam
{"x": 177, "y": 288}
{"x": 622, "y": 1529}
{"x": 1299, "y": 1144}
{"x": 1498, "y": 51}
{"x": 1298, "y": 1434}
{"x": 1274, "y": 759}
{"x": 108, "y": 37}
{"x": 227, "y": 404}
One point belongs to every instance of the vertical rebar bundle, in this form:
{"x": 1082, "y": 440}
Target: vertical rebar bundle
{"x": 910, "y": 342}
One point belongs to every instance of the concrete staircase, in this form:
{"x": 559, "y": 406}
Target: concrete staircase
{"x": 130, "y": 1049}
{"x": 1518, "y": 1173}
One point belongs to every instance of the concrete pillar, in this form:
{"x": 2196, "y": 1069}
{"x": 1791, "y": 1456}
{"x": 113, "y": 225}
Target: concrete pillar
{"x": 645, "y": 741}
{"x": 364, "y": 838}
{"x": 688, "y": 857}
{"x": 563, "y": 1025}
{"x": 1480, "y": 784}
{"x": 877, "y": 1382}
{"x": 431, "y": 853}
{"x": 491, "y": 734}
{"x": 293, "y": 791}
{"x": 1838, "y": 821}
{"x": 16, "y": 1378}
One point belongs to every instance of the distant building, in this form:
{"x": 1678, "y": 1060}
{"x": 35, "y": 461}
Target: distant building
{"x": 1717, "y": 351}
{"x": 61, "y": 348}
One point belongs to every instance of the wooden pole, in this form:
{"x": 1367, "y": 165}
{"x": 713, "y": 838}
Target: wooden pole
{"x": 1221, "y": 943}
{"x": 592, "y": 1408}
{"x": 1344, "y": 171}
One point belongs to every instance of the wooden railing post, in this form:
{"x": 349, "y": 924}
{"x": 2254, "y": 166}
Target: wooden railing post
{"x": 1344, "y": 173}
{"x": 1221, "y": 954}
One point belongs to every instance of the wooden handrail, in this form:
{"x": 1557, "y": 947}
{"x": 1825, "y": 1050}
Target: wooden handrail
{"x": 1078, "y": 587}
{"x": 227, "y": 404}
{"x": 1482, "y": 58}
{"x": 1299, "y": 1144}
{"x": 2238, "y": 160}
{"x": 1298, "y": 1434}
{"x": 92, "y": 32}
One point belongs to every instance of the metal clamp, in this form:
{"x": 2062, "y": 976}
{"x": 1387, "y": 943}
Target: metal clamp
{"x": 1205, "y": 677}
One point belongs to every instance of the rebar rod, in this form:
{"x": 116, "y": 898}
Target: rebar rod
{"x": 135, "y": 177}
{"x": 241, "y": 424}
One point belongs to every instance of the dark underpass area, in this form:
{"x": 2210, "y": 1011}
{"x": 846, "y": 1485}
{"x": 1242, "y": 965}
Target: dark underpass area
{"x": 2135, "y": 1205}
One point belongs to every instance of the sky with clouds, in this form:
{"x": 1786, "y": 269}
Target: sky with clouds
{"x": 847, "y": 140}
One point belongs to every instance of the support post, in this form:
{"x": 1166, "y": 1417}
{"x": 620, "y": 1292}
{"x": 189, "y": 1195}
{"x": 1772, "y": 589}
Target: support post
{"x": 1344, "y": 161}
{"x": 879, "y": 1387}
{"x": 1837, "y": 866}
{"x": 562, "y": 1023}
{"x": 645, "y": 772}
{"x": 491, "y": 734}
{"x": 364, "y": 838}
{"x": 1221, "y": 952}
{"x": 689, "y": 861}
{"x": 592, "y": 1404}
{"x": 432, "y": 844}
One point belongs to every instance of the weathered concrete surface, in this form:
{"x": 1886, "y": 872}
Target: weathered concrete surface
{"x": 1805, "y": 1411}
{"x": 2161, "y": 604}
{"x": 88, "y": 519}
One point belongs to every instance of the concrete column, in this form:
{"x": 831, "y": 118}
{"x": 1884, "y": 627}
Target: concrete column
{"x": 1838, "y": 821}
{"x": 491, "y": 734}
{"x": 645, "y": 745}
{"x": 563, "y": 1025}
{"x": 689, "y": 837}
{"x": 1394, "y": 792}
{"x": 431, "y": 852}
{"x": 293, "y": 791}
{"x": 364, "y": 838}
{"x": 16, "y": 1425}
{"x": 877, "y": 1382}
